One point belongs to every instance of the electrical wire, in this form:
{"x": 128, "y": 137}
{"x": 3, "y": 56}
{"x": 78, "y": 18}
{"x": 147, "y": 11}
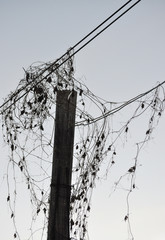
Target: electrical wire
{"x": 73, "y": 47}
{"x": 117, "y": 109}
{"x": 73, "y": 54}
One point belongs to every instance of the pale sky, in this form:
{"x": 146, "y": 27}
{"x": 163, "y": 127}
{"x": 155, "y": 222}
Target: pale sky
{"x": 124, "y": 61}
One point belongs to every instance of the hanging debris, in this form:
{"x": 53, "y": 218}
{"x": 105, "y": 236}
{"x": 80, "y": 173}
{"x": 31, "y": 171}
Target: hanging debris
{"x": 27, "y": 122}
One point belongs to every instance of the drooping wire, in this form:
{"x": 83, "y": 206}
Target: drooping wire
{"x": 70, "y": 55}
{"x": 117, "y": 109}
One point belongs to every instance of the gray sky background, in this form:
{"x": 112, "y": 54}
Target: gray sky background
{"x": 124, "y": 61}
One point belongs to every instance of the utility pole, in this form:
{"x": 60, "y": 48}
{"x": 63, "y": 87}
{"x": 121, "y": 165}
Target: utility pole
{"x": 58, "y": 224}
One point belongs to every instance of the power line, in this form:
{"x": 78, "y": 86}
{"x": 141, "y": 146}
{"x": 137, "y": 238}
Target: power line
{"x": 107, "y": 19}
{"x": 78, "y": 43}
{"x": 70, "y": 56}
{"x": 117, "y": 109}
{"x": 104, "y": 29}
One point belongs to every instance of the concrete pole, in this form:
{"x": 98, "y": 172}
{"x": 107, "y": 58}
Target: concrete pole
{"x": 58, "y": 223}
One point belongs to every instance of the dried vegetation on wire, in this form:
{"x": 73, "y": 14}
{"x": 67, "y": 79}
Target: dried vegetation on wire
{"x": 28, "y": 128}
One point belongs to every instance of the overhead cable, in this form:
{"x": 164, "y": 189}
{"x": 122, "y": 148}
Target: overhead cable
{"x": 74, "y": 53}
